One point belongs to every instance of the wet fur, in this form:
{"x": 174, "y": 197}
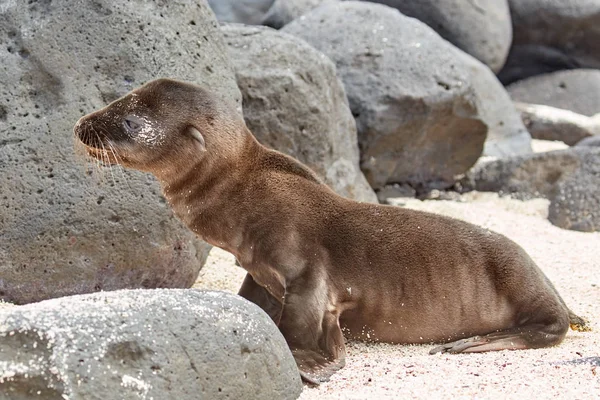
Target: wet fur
{"x": 318, "y": 261}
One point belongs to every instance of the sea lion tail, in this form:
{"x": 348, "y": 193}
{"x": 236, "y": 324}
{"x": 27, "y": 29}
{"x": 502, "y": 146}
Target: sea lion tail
{"x": 578, "y": 324}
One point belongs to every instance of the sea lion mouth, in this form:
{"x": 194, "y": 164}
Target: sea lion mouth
{"x": 96, "y": 143}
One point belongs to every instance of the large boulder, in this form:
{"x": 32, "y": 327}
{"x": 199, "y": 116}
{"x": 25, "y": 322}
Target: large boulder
{"x": 294, "y": 102}
{"x": 481, "y": 28}
{"x": 550, "y": 35}
{"x": 576, "y": 90}
{"x": 144, "y": 344}
{"x": 569, "y": 178}
{"x": 249, "y": 12}
{"x": 423, "y": 107}
{"x": 62, "y": 233}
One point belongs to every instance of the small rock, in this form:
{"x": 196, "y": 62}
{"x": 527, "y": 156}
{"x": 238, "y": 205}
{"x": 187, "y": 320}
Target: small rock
{"x": 593, "y": 141}
{"x": 570, "y": 179}
{"x": 394, "y": 191}
{"x": 549, "y": 123}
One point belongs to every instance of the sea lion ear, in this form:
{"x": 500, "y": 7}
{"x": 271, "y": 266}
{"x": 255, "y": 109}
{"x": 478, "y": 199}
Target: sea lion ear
{"x": 197, "y": 136}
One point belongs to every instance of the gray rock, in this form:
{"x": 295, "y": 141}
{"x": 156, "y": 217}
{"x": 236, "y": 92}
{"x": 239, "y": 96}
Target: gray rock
{"x": 481, "y": 28}
{"x": 62, "y": 232}
{"x": 249, "y": 12}
{"x": 592, "y": 141}
{"x": 282, "y": 12}
{"x": 577, "y": 91}
{"x": 526, "y": 61}
{"x": 569, "y": 178}
{"x": 144, "y": 344}
{"x": 422, "y": 107}
{"x": 294, "y": 102}
{"x": 394, "y": 191}
{"x": 551, "y": 34}
{"x": 576, "y": 205}
{"x": 550, "y": 123}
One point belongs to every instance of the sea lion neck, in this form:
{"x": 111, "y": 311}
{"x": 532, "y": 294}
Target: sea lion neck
{"x": 199, "y": 188}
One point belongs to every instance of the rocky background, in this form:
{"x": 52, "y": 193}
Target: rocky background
{"x": 383, "y": 99}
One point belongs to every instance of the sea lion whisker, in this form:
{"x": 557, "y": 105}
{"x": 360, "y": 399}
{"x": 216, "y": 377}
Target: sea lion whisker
{"x": 107, "y": 163}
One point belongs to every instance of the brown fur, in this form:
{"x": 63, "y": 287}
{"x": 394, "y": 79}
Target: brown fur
{"x": 317, "y": 261}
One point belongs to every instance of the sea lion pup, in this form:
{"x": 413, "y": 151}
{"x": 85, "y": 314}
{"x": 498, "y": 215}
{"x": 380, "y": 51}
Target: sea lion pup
{"x": 315, "y": 260}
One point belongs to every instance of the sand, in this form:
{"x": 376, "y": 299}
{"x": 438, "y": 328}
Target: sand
{"x": 570, "y": 259}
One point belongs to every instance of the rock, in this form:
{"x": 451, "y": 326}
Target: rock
{"x": 576, "y": 205}
{"x": 570, "y": 179}
{"x": 523, "y": 177}
{"x": 394, "y": 191}
{"x": 577, "y": 91}
{"x": 551, "y": 34}
{"x": 593, "y": 141}
{"x": 62, "y": 233}
{"x": 549, "y": 123}
{"x": 294, "y": 102}
{"x": 147, "y": 344}
{"x": 482, "y": 28}
{"x": 528, "y": 61}
{"x": 422, "y": 107}
{"x": 282, "y": 12}
{"x": 249, "y": 12}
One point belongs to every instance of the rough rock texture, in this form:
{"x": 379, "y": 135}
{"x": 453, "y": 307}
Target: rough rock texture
{"x": 550, "y": 123}
{"x": 550, "y": 35}
{"x": 282, "y": 12}
{"x": 144, "y": 344}
{"x": 422, "y": 107}
{"x": 62, "y": 233}
{"x": 249, "y": 12}
{"x": 577, "y": 91}
{"x": 294, "y": 102}
{"x": 593, "y": 141}
{"x": 481, "y": 28}
{"x": 570, "y": 179}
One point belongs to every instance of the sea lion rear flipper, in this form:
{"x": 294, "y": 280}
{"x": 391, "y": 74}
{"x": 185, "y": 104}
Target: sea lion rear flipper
{"x": 529, "y": 337}
{"x": 314, "y": 336}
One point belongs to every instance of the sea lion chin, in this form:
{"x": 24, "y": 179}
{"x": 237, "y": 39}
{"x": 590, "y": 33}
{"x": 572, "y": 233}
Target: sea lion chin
{"x": 316, "y": 261}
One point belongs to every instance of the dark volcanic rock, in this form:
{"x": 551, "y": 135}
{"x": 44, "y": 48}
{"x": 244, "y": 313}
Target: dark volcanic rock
{"x": 148, "y": 344}
{"x": 62, "y": 233}
{"x": 294, "y": 102}
{"x": 570, "y": 179}
{"x": 422, "y": 107}
{"x": 549, "y": 35}
{"x": 483, "y": 28}
{"x": 577, "y": 91}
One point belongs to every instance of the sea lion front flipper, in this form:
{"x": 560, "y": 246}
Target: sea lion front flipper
{"x": 314, "y": 336}
{"x": 252, "y": 291}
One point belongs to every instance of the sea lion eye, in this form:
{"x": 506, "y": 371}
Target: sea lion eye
{"x": 133, "y": 123}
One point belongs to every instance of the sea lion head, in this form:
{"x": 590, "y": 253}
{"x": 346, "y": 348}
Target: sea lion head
{"x": 163, "y": 124}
